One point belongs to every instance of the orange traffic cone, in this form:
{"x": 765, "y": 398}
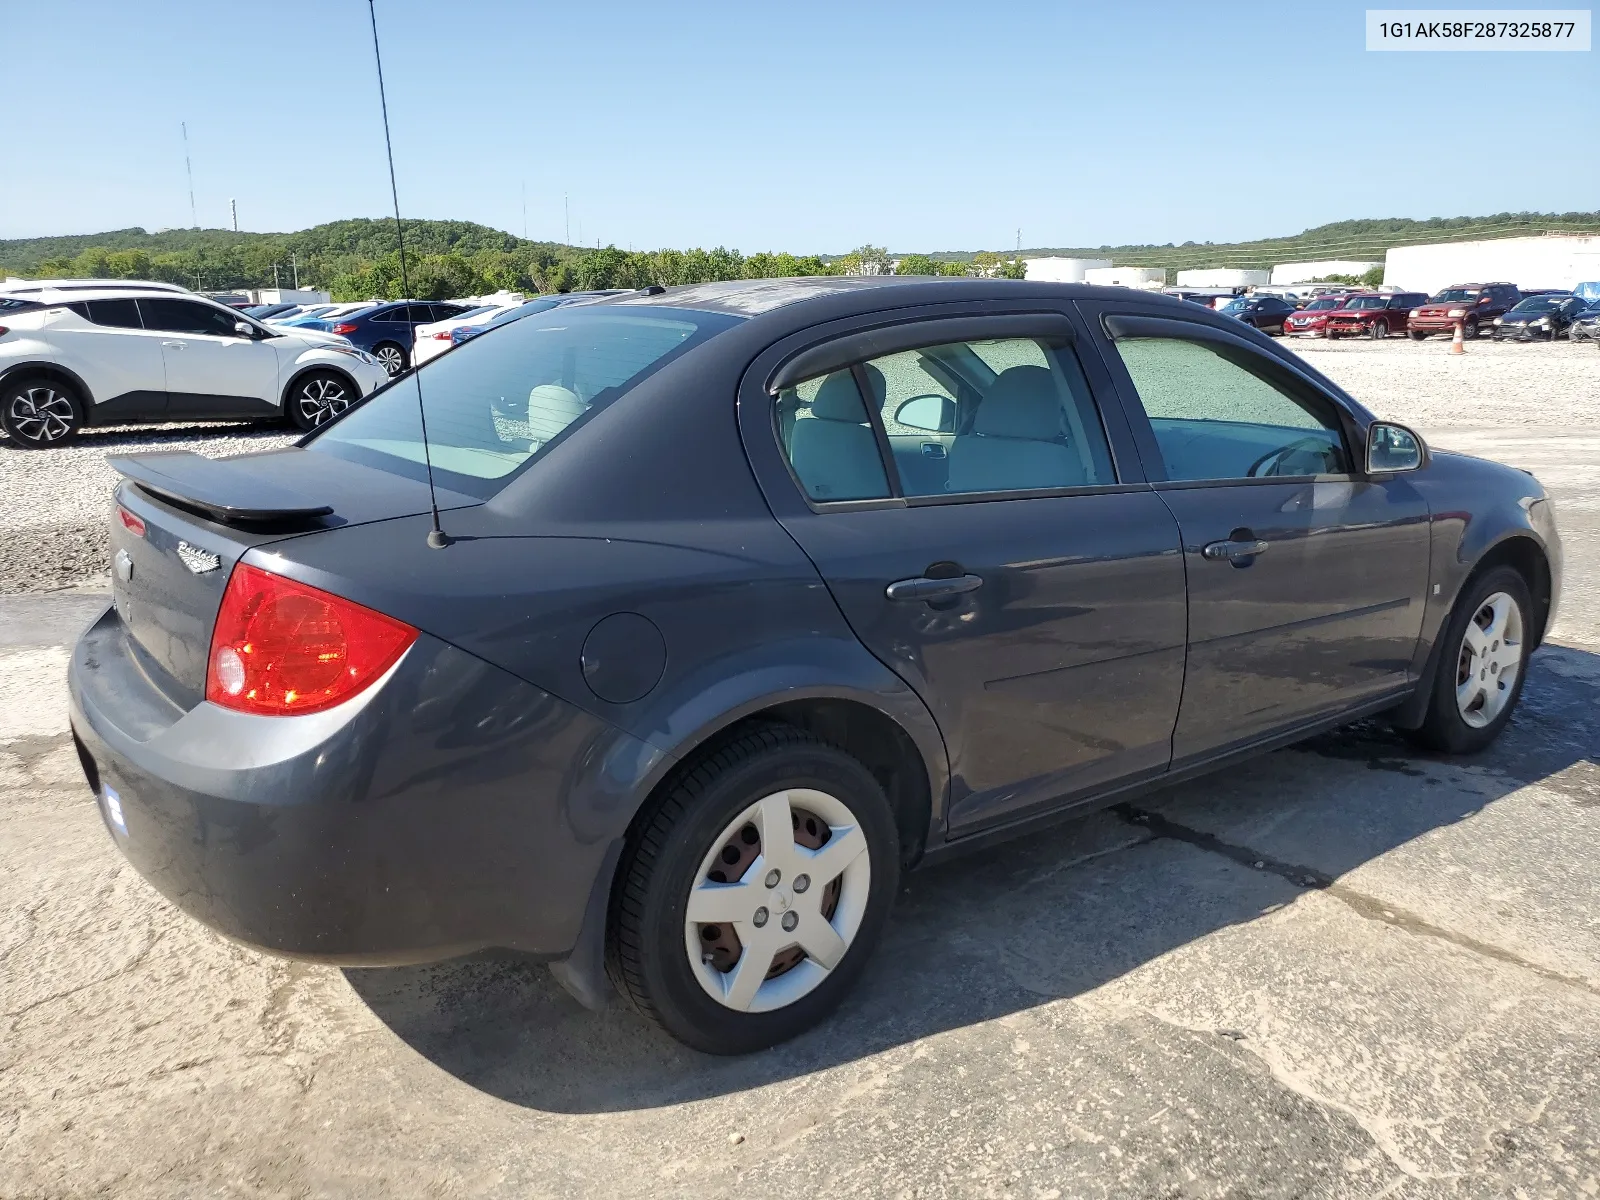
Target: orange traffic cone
{"x": 1458, "y": 344}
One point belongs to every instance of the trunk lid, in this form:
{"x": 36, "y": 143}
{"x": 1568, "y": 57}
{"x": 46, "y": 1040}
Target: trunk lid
{"x": 201, "y": 515}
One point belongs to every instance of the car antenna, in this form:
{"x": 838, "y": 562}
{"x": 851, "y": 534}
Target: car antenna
{"x": 437, "y": 538}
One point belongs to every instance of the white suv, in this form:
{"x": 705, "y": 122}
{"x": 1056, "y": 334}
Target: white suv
{"x": 101, "y": 353}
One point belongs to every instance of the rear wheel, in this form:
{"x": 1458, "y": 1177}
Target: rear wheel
{"x": 1380, "y": 329}
{"x": 317, "y": 398}
{"x": 39, "y": 413}
{"x": 1482, "y": 660}
{"x": 751, "y": 897}
{"x": 393, "y": 357}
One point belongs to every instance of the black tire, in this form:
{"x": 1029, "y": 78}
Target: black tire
{"x": 317, "y": 397}
{"x": 1444, "y": 729}
{"x": 1418, "y": 337}
{"x": 646, "y": 956}
{"x": 1379, "y": 330}
{"x": 1469, "y": 331}
{"x": 393, "y": 356}
{"x": 40, "y": 413}
{"x": 1573, "y": 335}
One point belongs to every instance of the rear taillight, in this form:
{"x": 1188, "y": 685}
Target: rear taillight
{"x": 131, "y": 523}
{"x": 281, "y": 647}
{"x": 343, "y": 328}
{"x": 4, "y": 331}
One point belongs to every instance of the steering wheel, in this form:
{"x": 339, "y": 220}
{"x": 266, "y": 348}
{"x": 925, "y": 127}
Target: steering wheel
{"x": 1277, "y": 457}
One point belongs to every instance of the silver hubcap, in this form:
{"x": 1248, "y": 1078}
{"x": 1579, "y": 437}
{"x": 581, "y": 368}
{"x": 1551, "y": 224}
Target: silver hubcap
{"x": 393, "y": 361}
{"x": 40, "y": 414}
{"x": 778, "y": 900}
{"x": 322, "y": 399}
{"x": 1491, "y": 656}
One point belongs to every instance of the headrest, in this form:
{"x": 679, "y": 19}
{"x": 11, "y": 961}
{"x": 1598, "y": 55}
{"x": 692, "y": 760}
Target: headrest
{"x": 551, "y": 408}
{"x": 1021, "y": 403}
{"x": 838, "y": 399}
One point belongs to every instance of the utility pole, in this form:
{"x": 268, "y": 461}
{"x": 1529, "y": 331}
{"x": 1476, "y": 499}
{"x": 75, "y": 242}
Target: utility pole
{"x": 274, "y": 275}
{"x": 294, "y": 266}
{"x": 1019, "y": 239}
{"x": 194, "y": 221}
{"x": 233, "y": 212}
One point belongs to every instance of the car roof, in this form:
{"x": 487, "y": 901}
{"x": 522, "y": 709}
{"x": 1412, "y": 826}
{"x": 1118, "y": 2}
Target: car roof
{"x": 77, "y": 288}
{"x": 754, "y": 297}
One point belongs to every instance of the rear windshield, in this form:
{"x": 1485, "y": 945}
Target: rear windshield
{"x": 497, "y": 401}
{"x": 1541, "y": 304}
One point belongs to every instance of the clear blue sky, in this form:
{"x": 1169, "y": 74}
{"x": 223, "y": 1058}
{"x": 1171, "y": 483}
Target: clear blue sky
{"x": 809, "y": 127}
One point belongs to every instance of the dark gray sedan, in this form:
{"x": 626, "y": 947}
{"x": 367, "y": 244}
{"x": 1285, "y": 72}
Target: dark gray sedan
{"x": 698, "y": 617}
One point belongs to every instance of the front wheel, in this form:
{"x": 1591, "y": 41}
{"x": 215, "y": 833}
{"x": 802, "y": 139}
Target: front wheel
{"x": 751, "y": 897}
{"x": 1481, "y": 664}
{"x": 40, "y": 413}
{"x": 317, "y": 398}
{"x": 392, "y": 357}
{"x": 1470, "y": 329}
{"x": 1418, "y": 337}
{"x": 1380, "y": 329}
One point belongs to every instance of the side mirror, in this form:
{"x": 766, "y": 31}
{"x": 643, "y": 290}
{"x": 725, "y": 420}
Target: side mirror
{"x": 1392, "y": 448}
{"x": 1485, "y": 299}
{"x": 936, "y": 414}
{"x": 244, "y": 329}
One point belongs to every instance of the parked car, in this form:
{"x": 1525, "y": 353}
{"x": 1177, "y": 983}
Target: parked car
{"x": 1374, "y": 314}
{"x": 386, "y": 330}
{"x": 262, "y": 312}
{"x": 83, "y": 357}
{"x": 1546, "y": 316}
{"x": 1312, "y": 320}
{"x": 1266, "y": 313}
{"x": 324, "y": 320}
{"x": 740, "y": 601}
{"x": 433, "y": 339}
{"x": 1473, "y": 305}
{"x": 1585, "y": 326}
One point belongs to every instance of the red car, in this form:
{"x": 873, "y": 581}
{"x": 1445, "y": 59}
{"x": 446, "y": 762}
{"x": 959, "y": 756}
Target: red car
{"x": 1472, "y": 304}
{"x": 1312, "y": 320}
{"x": 1374, "y": 314}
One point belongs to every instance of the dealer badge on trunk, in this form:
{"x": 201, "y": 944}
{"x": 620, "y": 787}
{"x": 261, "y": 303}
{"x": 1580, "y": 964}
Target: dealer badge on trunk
{"x": 197, "y": 560}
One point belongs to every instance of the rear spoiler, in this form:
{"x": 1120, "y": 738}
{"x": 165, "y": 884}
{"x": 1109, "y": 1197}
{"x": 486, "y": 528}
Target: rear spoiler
{"x": 221, "y": 490}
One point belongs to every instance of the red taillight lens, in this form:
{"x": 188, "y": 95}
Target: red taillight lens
{"x": 4, "y": 331}
{"x": 343, "y": 329}
{"x": 131, "y": 523}
{"x": 281, "y": 647}
{"x": 441, "y": 337}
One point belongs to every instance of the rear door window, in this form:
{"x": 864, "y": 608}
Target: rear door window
{"x": 121, "y": 313}
{"x": 959, "y": 418}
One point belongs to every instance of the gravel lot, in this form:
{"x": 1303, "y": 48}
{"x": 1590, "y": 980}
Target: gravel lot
{"x": 53, "y": 504}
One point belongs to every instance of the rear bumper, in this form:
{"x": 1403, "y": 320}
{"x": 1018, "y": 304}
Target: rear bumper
{"x": 449, "y": 808}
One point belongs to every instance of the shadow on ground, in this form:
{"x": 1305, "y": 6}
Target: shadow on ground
{"x": 1020, "y": 924}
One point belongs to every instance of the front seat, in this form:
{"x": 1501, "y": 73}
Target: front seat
{"x": 1017, "y": 441}
{"x": 834, "y": 451}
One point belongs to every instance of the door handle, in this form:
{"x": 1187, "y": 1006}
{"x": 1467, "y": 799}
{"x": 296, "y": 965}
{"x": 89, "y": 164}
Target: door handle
{"x": 1233, "y": 549}
{"x": 923, "y": 588}
{"x": 175, "y": 345}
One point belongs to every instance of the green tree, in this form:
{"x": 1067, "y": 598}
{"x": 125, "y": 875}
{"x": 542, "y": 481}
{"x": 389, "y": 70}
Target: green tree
{"x": 917, "y": 264}
{"x": 1373, "y": 277}
{"x": 128, "y": 264}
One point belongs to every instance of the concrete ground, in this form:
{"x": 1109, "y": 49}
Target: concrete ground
{"x": 1347, "y": 969}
